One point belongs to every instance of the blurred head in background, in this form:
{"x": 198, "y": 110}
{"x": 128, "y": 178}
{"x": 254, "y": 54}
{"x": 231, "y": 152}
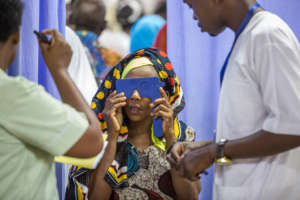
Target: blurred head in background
{"x": 144, "y": 32}
{"x": 161, "y": 9}
{"x": 114, "y": 45}
{"x": 128, "y": 12}
{"x": 88, "y": 15}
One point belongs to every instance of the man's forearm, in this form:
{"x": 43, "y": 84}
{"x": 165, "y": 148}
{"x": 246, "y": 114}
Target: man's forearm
{"x": 260, "y": 144}
{"x": 257, "y": 145}
{"x": 71, "y": 95}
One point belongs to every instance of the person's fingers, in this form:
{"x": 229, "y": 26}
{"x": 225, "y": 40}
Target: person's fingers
{"x": 116, "y": 99}
{"x": 162, "y": 108}
{"x": 162, "y": 114}
{"x": 53, "y": 34}
{"x": 160, "y": 101}
{"x": 121, "y": 94}
{"x": 163, "y": 93}
{"x": 119, "y": 105}
{"x": 49, "y": 32}
{"x": 176, "y": 160}
{"x": 111, "y": 95}
{"x": 178, "y": 149}
{"x": 171, "y": 160}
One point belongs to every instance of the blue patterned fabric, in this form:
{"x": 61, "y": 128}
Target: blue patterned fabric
{"x": 90, "y": 40}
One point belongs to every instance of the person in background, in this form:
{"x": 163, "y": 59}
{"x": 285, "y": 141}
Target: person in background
{"x": 88, "y": 19}
{"x": 150, "y": 6}
{"x": 128, "y": 12}
{"x": 258, "y": 127}
{"x": 144, "y": 32}
{"x": 134, "y": 164}
{"x": 35, "y": 127}
{"x": 80, "y": 69}
{"x": 161, "y": 37}
{"x": 161, "y": 9}
{"x": 114, "y": 45}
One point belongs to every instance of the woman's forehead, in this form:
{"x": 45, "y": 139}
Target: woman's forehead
{"x": 142, "y": 72}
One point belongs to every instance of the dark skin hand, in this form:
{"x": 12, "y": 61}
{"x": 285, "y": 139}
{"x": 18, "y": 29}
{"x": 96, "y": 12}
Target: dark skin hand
{"x": 184, "y": 189}
{"x": 99, "y": 188}
{"x": 259, "y": 144}
{"x": 112, "y": 113}
{"x": 57, "y": 56}
{"x": 164, "y": 110}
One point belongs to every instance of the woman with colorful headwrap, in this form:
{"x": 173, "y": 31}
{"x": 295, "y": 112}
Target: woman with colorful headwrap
{"x": 134, "y": 164}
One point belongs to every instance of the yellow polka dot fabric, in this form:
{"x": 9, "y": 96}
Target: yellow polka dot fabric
{"x": 165, "y": 71}
{"x": 100, "y": 95}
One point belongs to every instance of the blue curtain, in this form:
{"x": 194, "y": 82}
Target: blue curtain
{"x": 39, "y": 15}
{"x": 198, "y": 58}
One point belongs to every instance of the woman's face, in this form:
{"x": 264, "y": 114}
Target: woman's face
{"x": 138, "y": 108}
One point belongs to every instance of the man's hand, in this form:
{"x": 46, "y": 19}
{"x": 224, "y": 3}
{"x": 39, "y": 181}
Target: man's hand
{"x": 195, "y": 162}
{"x": 180, "y": 149}
{"x": 58, "y": 54}
{"x": 191, "y": 159}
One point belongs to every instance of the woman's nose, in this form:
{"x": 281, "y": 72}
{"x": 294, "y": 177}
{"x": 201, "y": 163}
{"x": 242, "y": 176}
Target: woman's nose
{"x": 135, "y": 95}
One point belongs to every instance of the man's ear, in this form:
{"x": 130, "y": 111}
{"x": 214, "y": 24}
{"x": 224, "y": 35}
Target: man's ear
{"x": 15, "y": 38}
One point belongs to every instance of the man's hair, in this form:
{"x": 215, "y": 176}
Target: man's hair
{"x": 89, "y": 15}
{"x": 10, "y": 18}
{"x": 161, "y": 8}
{"x": 128, "y": 12}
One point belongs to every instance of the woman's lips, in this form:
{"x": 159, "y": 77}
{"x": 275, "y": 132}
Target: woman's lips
{"x": 134, "y": 108}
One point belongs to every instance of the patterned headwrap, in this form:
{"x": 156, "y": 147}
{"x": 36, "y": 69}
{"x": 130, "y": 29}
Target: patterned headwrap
{"x": 126, "y": 160}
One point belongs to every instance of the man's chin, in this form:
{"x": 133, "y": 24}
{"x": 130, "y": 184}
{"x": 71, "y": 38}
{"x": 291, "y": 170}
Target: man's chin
{"x": 213, "y": 34}
{"x": 216, "y": 33}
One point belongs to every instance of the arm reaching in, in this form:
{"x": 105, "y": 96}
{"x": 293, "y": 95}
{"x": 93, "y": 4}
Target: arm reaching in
{"x": 259, "y": 144}
{"x": 112, "y": 113}
{"x": 57, "y": 56}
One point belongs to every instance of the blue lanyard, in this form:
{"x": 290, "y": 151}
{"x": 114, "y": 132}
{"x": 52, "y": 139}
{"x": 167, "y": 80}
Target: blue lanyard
{"x": 240, "y": 30}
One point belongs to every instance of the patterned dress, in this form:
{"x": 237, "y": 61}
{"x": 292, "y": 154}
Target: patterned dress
{"x": 152, "y": 181}
{"x": 136, "y": 174}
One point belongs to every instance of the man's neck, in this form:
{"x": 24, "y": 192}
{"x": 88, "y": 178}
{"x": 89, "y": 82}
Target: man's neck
{"x": 237, "y": 13}
{"x": 3, "y": 65}
{"x": 4, "y": 56}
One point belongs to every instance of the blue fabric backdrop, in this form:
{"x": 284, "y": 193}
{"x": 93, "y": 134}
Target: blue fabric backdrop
{"x": 197, "y": 59}
{"x": 39, "y": 15}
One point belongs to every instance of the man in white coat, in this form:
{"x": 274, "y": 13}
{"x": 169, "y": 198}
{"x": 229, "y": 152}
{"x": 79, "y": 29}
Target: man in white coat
{"x": 258, "y": 128}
